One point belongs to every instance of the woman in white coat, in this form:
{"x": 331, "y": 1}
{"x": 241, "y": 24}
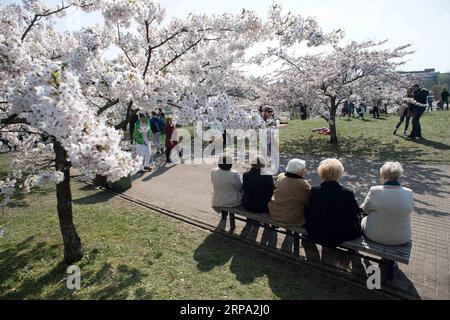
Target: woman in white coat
{"x": 388, "y": 208}
{"x": 227, "y": 184}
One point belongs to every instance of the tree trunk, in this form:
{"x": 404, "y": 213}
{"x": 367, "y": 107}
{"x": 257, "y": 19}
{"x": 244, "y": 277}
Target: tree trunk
{"x": 333, "y": 133}
{"x": 130, "y": 113}
{"x": 332, "y": 122}
{"x": 224, "y": 141}
{"x": 73, "y": 250}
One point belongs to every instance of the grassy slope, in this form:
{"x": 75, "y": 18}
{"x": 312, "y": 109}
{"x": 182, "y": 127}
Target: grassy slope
{"x": 131, "y": 252}
{"x": 371, "y": 139}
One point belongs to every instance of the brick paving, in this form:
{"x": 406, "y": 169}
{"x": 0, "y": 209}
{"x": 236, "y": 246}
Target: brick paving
{"x": 186, "y": 190}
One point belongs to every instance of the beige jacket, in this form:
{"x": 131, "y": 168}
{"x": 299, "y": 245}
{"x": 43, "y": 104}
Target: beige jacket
{"x": 290, "y": 200}
{"x": 404, "y": 108}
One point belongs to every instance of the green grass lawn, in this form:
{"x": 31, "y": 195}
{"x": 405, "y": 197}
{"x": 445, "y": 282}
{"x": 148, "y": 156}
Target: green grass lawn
{"x": 134, "y": 253}
{"x": 371, "y": 139}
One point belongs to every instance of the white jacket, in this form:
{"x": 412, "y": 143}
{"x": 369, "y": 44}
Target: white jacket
{"x": 389, "y": 209}
{"x": 227, "y": 188}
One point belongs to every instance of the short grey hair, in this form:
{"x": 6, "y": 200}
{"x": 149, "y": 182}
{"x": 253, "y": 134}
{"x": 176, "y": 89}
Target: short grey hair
{"x": 391, "y": 171}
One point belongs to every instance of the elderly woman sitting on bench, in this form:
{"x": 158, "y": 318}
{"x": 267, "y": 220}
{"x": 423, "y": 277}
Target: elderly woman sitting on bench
{"x": 334, "y": 215}
{"x": 227, "y": 184}
{"x": 258, "y": 187}
{"x": 389, "y": 208}
{"x": 290, "y": 199}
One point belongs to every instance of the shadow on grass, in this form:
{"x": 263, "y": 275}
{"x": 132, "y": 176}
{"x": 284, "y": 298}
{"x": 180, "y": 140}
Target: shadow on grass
{"x": 289, "y": 280}
{"x": 115, "y": 283}
{"x": 358, "y": 146}
{"x": 19, "y": 199}
{"x": 99, "y": 197}
{"x": 431, "y": 144}
{"x": 105, "y": 282}
{"x": 21, "y": 257}
{"x": 286, "y": 280}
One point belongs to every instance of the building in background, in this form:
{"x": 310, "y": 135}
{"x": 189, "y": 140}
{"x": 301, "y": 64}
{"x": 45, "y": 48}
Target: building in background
{"x": 431, "y": 79}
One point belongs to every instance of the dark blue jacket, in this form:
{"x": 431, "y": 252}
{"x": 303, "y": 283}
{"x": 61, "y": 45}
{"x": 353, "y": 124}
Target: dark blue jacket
{"x": 333, "y": 216}
{"x": 154, "y": 124}
{"x": 258, "y": 190}
{"x": 421, "y": 95}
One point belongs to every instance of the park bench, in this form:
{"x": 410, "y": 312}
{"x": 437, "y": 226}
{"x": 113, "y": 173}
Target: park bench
{"x": 386, "y": 256}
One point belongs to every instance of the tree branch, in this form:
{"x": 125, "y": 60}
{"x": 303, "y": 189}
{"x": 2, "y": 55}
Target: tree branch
{"x": 290, "y": 62}
{"x": 12, "y": 119}
{"x": 124, "y": 123}
{"x": 180, "y": 54}
{"x": 121, "y": 47}
{"x": 108, "y": 105}
{"x": 38, "y": 16}
{"x": 151, "y": 48}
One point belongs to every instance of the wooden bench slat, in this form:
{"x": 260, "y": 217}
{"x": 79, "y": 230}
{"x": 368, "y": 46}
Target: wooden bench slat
{"x": 361, "y": 244}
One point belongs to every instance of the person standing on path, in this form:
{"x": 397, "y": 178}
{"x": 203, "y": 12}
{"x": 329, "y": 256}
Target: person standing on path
{"x": 444, "y": 98}
{"x": 156, "y": 130}
{"x": 172, "y": 140}
{"x": 142, "y": 133}
{"x": 162, "y": 126}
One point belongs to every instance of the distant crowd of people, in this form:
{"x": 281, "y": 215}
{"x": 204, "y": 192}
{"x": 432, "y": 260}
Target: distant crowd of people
{"x": 441, "y": 104}
{"x": 351, "y": 110}
{"x": 329, "y": 211}
{"x": 147, "y": 129}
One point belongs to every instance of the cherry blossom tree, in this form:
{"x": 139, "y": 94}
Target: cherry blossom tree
{"x": 44, "y": 114}
{"x": 357, "y": 71}
{"x": 62, "y": 101}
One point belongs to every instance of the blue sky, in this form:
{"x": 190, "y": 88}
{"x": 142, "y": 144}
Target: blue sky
{"x": 424, "y": 24}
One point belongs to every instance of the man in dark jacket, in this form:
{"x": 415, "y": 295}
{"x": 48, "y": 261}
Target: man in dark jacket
{"x": 156, "y": 131}
{"x": 334, "y": 215}
{"x": 376, "y": 108}
{"x": 444, "y": 98}
{"x": 162, "y": 126}
{"x": 418, "y": 108}
{"x": 258, "y": 188}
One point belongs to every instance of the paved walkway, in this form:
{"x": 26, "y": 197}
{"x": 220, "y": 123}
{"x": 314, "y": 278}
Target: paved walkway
{"x": 186, "y": 190}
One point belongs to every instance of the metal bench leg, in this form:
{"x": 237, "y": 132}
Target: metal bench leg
{"x": 224, "y": 214}
{"x": 232, "y": 221}
{"x": 389, "y": 267}
{"x": 296, "y": 243}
